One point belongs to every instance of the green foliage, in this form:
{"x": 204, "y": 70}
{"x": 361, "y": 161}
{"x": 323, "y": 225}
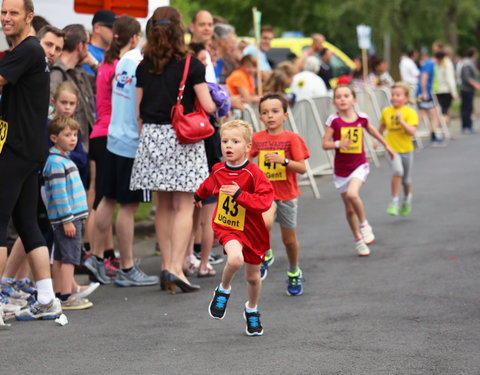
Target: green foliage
{"x": 410, "y": 23}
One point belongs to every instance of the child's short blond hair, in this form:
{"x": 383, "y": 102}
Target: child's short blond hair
{"x": 59, "y": 123}
{"x": 244, "y": 127}
{"x": 405, "y": 87}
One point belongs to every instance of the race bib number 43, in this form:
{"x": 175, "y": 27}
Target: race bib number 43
{"x": 3, "y": 133}
{"x": 273, "y": 171}
{"x": 355, "y": 134}
{"x": 229, "y": 212}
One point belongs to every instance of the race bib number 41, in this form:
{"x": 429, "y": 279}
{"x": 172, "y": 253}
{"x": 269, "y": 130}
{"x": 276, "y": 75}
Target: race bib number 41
{"x": 229, "y": 212}
{"x": 3, "y": 133}
{"x": 355, "y": 134}
{"x": 273, "y": 171}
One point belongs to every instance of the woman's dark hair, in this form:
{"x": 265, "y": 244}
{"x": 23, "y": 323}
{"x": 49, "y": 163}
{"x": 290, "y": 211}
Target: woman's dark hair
{"x": 124, "y": 28}
{"x": 165, "y": 38}
{"x": 274, "y": 97}
{"x": 196, "y": 48}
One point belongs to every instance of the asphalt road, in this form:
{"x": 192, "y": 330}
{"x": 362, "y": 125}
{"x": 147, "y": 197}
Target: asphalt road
{"x": 412, "y": 307}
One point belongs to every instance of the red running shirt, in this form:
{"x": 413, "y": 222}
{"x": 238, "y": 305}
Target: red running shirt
{"x": 294, "y": 148}
{"x": 244, "y": 223}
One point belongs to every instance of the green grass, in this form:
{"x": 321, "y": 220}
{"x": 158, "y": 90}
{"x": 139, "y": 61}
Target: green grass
{"x": 141, "y": 214}
{"x": 143, "y": 211}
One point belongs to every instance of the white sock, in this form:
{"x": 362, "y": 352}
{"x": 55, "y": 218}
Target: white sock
{"x": 408, "y": 198}
{"x": 45, "y": 293}
{"x": 249, "y": 310}
{"x": 364, "y": 224}
{"x": 226, "y": 291}
{"x": 395, "y": 199}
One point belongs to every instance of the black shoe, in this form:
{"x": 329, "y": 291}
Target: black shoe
{"x": 254, "y": 327}
{"x": 218, "y": 305}
{"x": 164, "y": 274}
{"x": 174, "y": 281}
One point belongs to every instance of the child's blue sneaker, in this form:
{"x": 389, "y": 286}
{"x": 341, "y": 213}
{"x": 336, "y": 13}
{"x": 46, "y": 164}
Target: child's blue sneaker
{"x": 254, "y": 326}
{"x": 294, "y": 283}
{"x": 267, "y": 262}
{"x": 218, "y": 305}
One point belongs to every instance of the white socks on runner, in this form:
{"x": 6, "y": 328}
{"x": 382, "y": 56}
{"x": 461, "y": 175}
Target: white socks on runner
{"x": 45, "y": 293}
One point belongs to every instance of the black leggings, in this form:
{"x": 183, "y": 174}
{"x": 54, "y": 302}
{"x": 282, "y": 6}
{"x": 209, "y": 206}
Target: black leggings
{"x": 18, "y": 199}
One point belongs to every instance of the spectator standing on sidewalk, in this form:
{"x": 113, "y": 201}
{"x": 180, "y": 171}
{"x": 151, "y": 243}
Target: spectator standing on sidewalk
{"x": 469, "y": 85}
{"x": 67, "y": 208}
{"x": 162, "y": 164}
{"x": 100, "y": 38}
{"x": 409, "y": 71}
{"x": 425, "y": 102}
{"x": 314, "y": 50}
{"x": 67, "y": 68}
{"x": 202, "y": 32}
{"x": 444, "y": 85}
{"x": 23, "y": 143}
{"x": 126, "y": 36}
{"x": 121, "y": 145}
{"x": 325, "y": 72}
{"x": 266, "y": 36}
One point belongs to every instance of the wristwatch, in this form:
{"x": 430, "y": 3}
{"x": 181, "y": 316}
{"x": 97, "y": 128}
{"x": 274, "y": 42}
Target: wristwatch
{"x": 285, "y": 163}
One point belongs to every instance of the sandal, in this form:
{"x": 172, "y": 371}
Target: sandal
{"x": 208, "y": 272}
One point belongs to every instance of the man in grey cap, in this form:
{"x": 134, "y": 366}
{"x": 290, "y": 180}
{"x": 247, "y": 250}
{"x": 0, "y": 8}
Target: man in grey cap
{"x": 100, "y": 38}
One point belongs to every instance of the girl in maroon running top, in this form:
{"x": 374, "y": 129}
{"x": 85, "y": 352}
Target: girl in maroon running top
{"x": 344, "y": 133}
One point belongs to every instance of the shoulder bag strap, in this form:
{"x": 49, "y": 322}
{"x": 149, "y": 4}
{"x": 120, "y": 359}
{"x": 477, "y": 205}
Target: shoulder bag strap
{"x": 181, "y": 89}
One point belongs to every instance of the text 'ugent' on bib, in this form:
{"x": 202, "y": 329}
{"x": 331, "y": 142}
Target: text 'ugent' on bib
{"x": 273, "y": 171}
{"x": 229, "y": 212}
{"x": 355, "y": 134}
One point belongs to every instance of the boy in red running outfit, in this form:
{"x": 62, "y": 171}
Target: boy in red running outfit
{"x": 243, "y": 193}
{"x": 281, "y": 155}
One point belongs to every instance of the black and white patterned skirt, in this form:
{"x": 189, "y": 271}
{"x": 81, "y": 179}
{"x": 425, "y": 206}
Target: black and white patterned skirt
{"x": 163, "y": 164}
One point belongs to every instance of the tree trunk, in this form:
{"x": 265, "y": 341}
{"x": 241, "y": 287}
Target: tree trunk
{"x": 451, "y": 34}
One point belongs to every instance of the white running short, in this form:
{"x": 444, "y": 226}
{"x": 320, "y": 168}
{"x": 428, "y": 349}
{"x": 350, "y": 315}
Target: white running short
{"x": 341, "y": 183}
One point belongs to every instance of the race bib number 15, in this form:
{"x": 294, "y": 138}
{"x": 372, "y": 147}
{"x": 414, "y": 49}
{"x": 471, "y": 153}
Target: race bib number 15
{"x": 355, "y": 134}
{"x": 273, "y": 171}
{"x": 3, "y": 133}
{"x": 229, "y": 212}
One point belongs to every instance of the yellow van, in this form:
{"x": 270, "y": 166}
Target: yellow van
{"x": 282, "y": 48}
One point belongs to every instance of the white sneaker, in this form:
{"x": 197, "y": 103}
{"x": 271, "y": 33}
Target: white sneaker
{"x": 362, "y": 249}
{"x": 8, "y": 308}
{"x": 367, "y": 234}
{"x": 35, "y": 310}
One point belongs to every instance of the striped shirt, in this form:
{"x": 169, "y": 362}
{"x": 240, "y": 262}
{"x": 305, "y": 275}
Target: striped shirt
{"x": 64, "y": 192}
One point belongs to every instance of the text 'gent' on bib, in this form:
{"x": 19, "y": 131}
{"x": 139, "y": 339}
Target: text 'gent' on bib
{"x": 229, "y": 212}
{"x": 273, "y": 171}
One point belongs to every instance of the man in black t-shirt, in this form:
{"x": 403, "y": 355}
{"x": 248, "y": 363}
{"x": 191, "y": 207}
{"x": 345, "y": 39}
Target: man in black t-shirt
{"x": 24, "y": 77}
{"x": 326, "y": 72}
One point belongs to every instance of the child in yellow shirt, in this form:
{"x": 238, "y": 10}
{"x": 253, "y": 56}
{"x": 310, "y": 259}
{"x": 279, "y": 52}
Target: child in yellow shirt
{"x": 400, "y": 123}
